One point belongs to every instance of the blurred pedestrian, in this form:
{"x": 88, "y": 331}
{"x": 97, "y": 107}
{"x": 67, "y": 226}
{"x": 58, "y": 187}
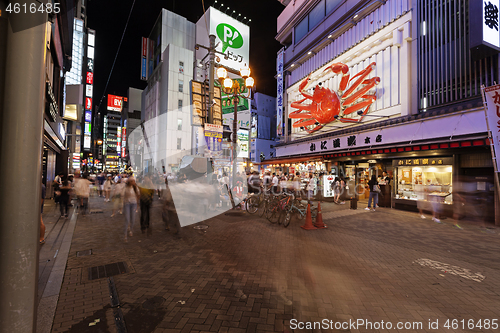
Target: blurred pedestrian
{"x": 107, "y": 187}
{"x": 146, "y": 190}
{"x": 64, "y": 198}
{"x": 311, "y": 187}
{"x": 374, "y": 191}
{"x": 82, "y": 189}
{"x": 116, "y": 197}
{"x": 42, "y": 225}
{"x": 100, "y": 179}
{"x": 131, "y": 197}
{"x": 169, "y": 213}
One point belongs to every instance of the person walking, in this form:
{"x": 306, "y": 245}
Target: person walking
{"x": 42, "y": 225}
{"x": 107, "y": 187}
{"x": 374, "y": 191}
{"x": 131, "y": 197}
{"x": 116, "y": 197}
{"x": 336, "y": 190}
{"x": 311, "y": 186}
{"x": 64, "y": 198}
{"x": 82, "y": 189}
{"x": 146, "y": 199}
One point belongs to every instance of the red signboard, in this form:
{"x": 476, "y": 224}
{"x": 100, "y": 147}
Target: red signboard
{"x": 88, "y": 103}
{"x": 144, "y": 46}
{"x": 90, "y": 78}
{"x": 115, "y": 103}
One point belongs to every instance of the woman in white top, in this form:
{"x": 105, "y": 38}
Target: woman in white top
{"x": 107, "y": 188}
{"x": 130, "y": 197}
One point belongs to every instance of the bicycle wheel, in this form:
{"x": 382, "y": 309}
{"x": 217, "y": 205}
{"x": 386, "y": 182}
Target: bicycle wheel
{"x": 252, "y": 204}
{"x": 263, "y": 207}
{"x": 274, "y": 215}
{"x": 287, "y": 219}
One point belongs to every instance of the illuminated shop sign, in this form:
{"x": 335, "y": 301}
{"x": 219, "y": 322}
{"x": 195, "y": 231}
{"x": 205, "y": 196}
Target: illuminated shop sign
{"x": 88, "y": 116}
{"x": 115, "y": 103}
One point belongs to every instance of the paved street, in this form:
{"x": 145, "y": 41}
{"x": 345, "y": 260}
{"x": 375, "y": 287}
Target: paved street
{"x": 243, "y": 274}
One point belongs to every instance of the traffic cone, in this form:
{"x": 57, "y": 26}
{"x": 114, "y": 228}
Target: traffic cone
{"x": 319, "y": 219}
{"x": 309, "y": 222}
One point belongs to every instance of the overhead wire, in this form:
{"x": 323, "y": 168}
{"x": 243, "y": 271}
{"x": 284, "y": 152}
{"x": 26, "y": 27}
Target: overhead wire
{"x": 116, "y": 55}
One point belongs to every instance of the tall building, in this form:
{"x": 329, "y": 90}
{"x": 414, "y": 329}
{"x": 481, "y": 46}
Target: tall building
{"x": 112, "y": 133}
{"x": 131, "y": 120}
{"x": 79, "y": 92}
{"x": 166, "y": 112}
{"x": 411, "y": 105}
{"x": 262, "y": 127}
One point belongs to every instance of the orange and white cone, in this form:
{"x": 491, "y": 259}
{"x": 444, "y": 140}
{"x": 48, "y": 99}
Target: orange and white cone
{"x": 309, "y": 223}
{"x": 319, "y": 219}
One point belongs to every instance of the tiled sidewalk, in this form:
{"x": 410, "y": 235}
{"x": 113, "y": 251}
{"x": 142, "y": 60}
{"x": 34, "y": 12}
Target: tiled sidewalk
{"x": 243, "y": 274}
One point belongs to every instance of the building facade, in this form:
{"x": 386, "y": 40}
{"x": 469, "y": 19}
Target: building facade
{"x": 166, "y": 112}
{"x": 262, "y": 127}
{"x": 404, "y": 98}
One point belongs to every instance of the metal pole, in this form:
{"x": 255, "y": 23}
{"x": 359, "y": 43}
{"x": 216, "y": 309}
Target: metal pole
{"x": 21, "y": 134}
{"x": 235, "y": 140}
{"x": 211, "y": 75}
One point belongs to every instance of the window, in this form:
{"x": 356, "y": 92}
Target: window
{"x": 316, "y": 15}
{"x": 179, "y": 126}
{"x": 332, "y": 5}
{"x": 179, "y": 104}
{"x": 301, "y": 29}
{"x": 181, "y": 86}
{"x": 179, "y": 141}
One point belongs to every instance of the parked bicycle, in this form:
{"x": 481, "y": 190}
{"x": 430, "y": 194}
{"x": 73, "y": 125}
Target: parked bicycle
{"x": 296, "y": 207}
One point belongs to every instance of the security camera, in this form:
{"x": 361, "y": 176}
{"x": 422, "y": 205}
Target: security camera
{"x": 213, "y": 103}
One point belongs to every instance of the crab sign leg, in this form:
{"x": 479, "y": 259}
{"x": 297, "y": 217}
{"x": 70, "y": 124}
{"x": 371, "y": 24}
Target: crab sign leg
{"x": 370, "y": 84}
{"x": 314, "y": 129}
{"x": 364, "y": 73}
{"x": 304, "y": 122}
{"x": 309, "y": 107}
{"x": 351, "y": 120}
{"x": 302, "y": 86}
{"x": 338, "y": 68}
{"x": 358, "y": 106}
{"x": 298, "y": 115}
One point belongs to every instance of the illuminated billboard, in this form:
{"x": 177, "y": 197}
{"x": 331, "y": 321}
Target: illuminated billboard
{"x": 115, "y": 103}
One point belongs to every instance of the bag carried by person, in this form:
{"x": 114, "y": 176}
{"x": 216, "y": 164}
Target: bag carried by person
{"x": 376, "y": 189}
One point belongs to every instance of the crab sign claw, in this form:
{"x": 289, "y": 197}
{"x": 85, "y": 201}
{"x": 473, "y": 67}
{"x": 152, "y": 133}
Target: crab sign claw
{"x": 338, "y": 68}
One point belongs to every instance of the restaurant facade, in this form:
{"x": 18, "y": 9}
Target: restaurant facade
{"x": 409, "y": 104}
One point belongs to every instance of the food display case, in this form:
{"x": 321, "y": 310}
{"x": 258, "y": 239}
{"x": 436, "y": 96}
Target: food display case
{"x": 427, "y": 179}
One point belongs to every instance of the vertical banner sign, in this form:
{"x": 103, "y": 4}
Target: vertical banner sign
{"x": 213, "y": 138}
{"x": 279, "y": 94}
{"x": 144, "y": 59}
{"x": 492, "y": 95}
{"x": 89, "y": 89}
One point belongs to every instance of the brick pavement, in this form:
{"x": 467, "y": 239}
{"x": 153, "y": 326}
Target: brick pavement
{"x": 243, "y": 274}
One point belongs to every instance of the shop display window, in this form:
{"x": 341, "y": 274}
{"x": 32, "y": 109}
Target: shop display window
{"x": 427, "y": 183}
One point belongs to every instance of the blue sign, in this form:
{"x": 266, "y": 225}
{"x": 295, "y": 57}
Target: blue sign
{"x": 88, "y": 116}
{"x": 143, "y": 68}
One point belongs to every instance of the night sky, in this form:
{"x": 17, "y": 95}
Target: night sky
{"x": 108, "y": 19}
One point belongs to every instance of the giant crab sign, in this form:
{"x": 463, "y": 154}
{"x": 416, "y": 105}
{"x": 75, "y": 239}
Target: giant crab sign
{"x": 327, "y": 106}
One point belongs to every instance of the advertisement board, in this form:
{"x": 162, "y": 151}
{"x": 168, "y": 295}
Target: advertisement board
{"x": 87, "y": 129}
{"x": 115, "y": 103}
{"x": 232, "y": 38}
{"x": 88, "y": 116}
{"x": 243, "y": 143}
{"x": 253, "y": 126}
{"x": 88, "y": 90}
{"x": 492, "y": 95}
{"x": 86, "y": 141}
{"x": 144, "y": 59}
{"x": 279, "y": 93}
{"x": 88, "y": 103}
{"x": 213, "y": 139}
{"x": 484, "y": 35}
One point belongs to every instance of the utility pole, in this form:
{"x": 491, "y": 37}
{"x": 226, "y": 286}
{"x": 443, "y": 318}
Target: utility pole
{"x": 211, "y": 75}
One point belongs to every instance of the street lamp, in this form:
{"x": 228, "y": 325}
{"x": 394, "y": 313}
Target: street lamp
{"x": 232, "y": 87}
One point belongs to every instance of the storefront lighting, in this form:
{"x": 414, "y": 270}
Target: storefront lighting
{"x": 228, "y": 83}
